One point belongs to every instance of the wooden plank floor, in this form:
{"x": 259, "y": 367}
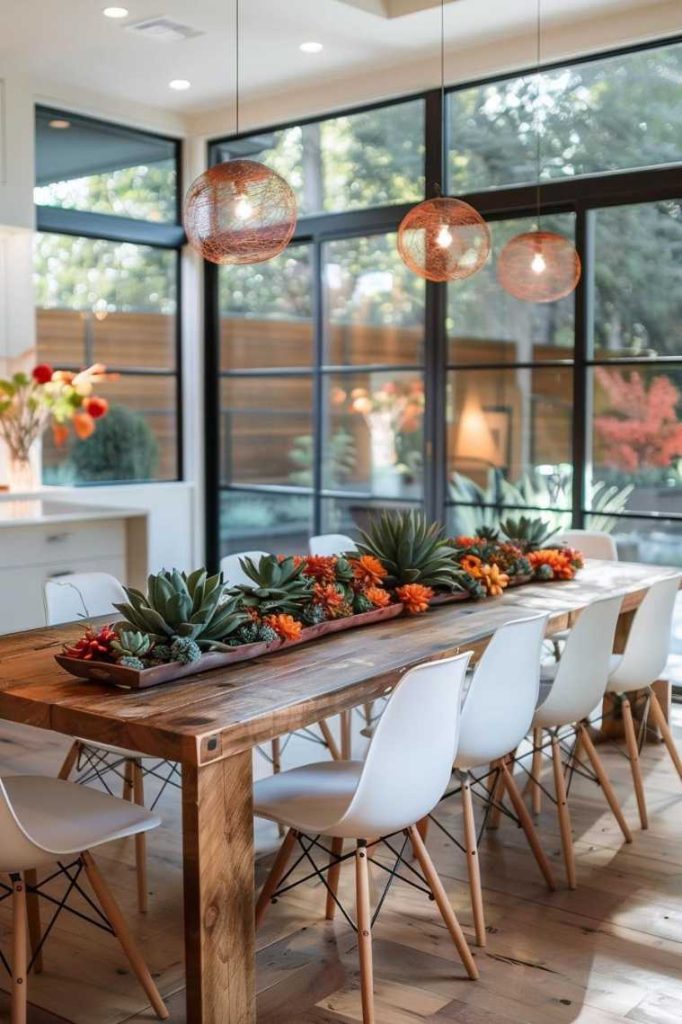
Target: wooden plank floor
{"x": 612, "y": 951}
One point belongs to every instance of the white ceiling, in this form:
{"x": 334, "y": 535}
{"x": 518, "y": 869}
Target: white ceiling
{"x": 70, "y": 43}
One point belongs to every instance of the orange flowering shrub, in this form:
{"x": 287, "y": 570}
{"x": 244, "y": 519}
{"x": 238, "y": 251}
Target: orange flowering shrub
{"x": 332, "y": 599}
{"x": 415, "y": 597}
{"x": 285, "y": 626}
{"x": 555, "y": 563}
{"x": 494, "y": 580}
{"x": 379, "y": 597}
{"x": 471, "y": 564}
{"x": 368, "y": 570}
{"x": 321, "y": 568}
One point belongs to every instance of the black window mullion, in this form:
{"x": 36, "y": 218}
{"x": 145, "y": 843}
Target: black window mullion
{"x": 212, "y": 414}
{"x": 583, "y": 319}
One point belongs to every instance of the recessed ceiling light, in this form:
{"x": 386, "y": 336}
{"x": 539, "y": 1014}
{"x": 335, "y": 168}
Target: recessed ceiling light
{"x": 311, "y": 47}
{"x": 115, "y": 12}
{"x": 59, "y": 123}
{"x": 179, "y": 84}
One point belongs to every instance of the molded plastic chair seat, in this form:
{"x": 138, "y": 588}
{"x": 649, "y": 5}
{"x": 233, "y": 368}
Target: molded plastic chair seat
{"x": 232, "y": 571}
{"x": 331, "y": 544}
{"x": 311, "y": 798}
{"x": 549, "y": 669}
{"x": 63, "y": 818}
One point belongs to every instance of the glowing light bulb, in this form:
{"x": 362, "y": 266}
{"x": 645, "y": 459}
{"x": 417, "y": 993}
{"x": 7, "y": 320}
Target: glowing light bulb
{"x": 538, "y": 264}
{"x": 243, "y": 208}
{"x": 444, "y": 237}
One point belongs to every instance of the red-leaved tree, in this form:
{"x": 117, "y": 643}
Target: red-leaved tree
{"x": 641, "y": 430}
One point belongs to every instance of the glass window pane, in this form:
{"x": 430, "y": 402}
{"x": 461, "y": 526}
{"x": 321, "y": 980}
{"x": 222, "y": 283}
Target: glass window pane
{"x": 606, "y": 114}
{"x": 638, "y": 286}
{"x": 373, "y": 433}
{"x": 467, "y": 520}
{"x": 637, "y": 437}
{"x": 485, "y": 324}
{"x": 266, "y": 312}
{"x": 511, "y": 427}
{"x": 136, "y": 441}
{"x": 372, "y": 158}
{"x": 266, "y": 430}
{"x": 374, "y": 305}
{"x": 254, "y": 521}
{"x": 101, "y": 301}
{"x": 103, "y": 168}
{"x": 348, "y": 515}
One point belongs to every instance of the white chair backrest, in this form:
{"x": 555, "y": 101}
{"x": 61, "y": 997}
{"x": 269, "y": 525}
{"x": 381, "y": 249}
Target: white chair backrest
{"x": 501, "y": 701}
{"x": 233, "y": 574}
{"x": 18, "y": 852}
{"x": 81, "y": 595}
{"x": 592, "y": 543}
{"x": 648, "y": 643}
{"x": 409, "y": 762}
{"x": 583, "y": 671}
{"x": 331, "y": 544}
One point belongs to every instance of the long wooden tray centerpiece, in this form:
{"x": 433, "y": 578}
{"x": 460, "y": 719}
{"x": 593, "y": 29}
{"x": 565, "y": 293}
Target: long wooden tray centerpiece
{"x": 186, "y": 624}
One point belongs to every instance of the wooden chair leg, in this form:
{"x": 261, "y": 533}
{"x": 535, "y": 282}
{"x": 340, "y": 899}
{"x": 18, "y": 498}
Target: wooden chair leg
{"x": 35, "y": 930}
{"x": 496, "y": 791}
{"x": 19, "y": 958}
{"x": 604, "y": 781}
{"x": 140, "y": 840}
{"x": 536, "y": 773}
{"x": 364, "y": 923}
{"x": 128, "y": 945}
{"x": 635, "y": 766}
{"x": 328, "y": 737}
{"x": 276, "y": 754}
{"x": 423, "y": 828}
{"x": 346, "y": 736}
{"x": 128, "y": 779}
{"x": 443, "y": 903}
{"x": 527, "y": 826}
{"x": 656, "y": 712}
{"x": 473, "y": 864}
{"x": 333, "y": 878}
{"x": 564, "y": 814}
{"x": 70, "y": 760}
{"x": 276, "y": 874}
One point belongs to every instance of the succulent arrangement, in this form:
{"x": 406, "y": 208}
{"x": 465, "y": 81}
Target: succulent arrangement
{"x": 401, "y": 558}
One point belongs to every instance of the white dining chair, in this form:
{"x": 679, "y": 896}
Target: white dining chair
{"x": 403, "y": 777}
{"x": 230, "y": 567}
{"x": 592, "y": 543}
{"x": 569, "y": 691}
{"x": 331, "y": 544}
{"x": 49, "y": 823}
{"x": 638, "y": 668}
{"x": 91, "y": 594}
{"x": 497, "y": 713}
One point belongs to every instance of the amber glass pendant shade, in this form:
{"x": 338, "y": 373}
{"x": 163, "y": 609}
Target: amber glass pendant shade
{"x": 539, "y": 266}
{"x": 239, "y": 212}
{"x": 443, "y": 240}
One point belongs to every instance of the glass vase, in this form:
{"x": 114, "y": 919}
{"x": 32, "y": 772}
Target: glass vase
{"x": 23, "y": 473}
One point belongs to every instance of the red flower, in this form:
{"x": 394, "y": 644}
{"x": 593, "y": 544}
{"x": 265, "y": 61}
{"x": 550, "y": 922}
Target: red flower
{"x": 93, "y": 645}
{"x": 42, "y": 373}
{"x": 96, "y": 407}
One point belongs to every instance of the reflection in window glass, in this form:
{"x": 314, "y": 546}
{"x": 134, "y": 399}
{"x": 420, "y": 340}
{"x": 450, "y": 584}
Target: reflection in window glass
{"x": 509, "y": 435}
{"x": 638, "y": 294}
{"x": 467, "y": 519}
{"x": 374, "y": 306}
{"x": 372, "y": 158}
{"x": 348, "y": 515}
{"x": 607, "y": 114}
{"x": 485, "y": 324}
{"x": 266, "y": 312}
{"x": 266, "y": 430}
{"x": 373, "y": 439}
{"x": 253, "y": 521}
{"x": 103, "y": 168}
{"x": 637, "y": 435}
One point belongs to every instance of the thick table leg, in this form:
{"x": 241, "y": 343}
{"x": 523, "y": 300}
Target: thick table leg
{"x": 217, "y": 825}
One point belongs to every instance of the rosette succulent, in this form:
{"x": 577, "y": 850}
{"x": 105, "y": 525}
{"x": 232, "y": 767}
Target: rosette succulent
{"x": 412, "y": 551}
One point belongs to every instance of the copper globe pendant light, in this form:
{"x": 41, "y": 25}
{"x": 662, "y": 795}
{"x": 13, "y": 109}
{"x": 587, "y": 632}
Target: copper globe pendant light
{"x": 239, "y": 211}
{"x": 443, "y": 239}
{"x": 539, "y": 266}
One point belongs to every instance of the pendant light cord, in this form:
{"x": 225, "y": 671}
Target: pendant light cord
{"x": 538, "y": 119}
{"x": 236, "y": 65}
{"x": 438, "y": 188}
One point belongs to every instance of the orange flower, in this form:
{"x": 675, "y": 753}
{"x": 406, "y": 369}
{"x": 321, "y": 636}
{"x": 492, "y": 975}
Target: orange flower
{"x": 472, "y": 565}
{"x": 330, "y": 598}
{"x": 558, "y": 560}
{"x": 368, "y": 570}
{"x": 321, "y": 567}
{"x": 466, "y": 542}
{"x": 494, "y": 580}
{"x": 60, "y": 433}
{"x": 83, "y": 424}
{"x": 378, "y": 596}
{"x": 286, "y": 626}
{"x": 415, "y": 597}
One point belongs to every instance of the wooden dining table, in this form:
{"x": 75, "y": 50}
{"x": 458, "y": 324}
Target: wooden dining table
{"x": 210, "y": 723}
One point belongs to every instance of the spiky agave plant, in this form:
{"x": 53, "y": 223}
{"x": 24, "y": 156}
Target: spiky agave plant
{"x": 528, "y": 534}
{"x": 192, "y": 606}
{"x": 411, "y": 551}
{"x": 279, "y": 586}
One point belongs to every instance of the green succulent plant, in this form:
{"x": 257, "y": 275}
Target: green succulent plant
{"x": 132, "y": 643}
{"x": 185, "y": 650}
{"x": 131, "y": 662}
{"x": 411, "y": 551}
{"x": 194, "y": 606}
{"x": 279, "y": 587}
{"x": 528, "y": 534}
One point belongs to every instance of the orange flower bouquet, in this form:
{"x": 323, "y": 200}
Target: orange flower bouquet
{"x": 29, "y": 403}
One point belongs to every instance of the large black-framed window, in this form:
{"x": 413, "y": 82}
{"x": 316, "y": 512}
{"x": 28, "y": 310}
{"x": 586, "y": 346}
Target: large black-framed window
{"x": 522, "y": 407}
{"x": 107, "y": 283}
